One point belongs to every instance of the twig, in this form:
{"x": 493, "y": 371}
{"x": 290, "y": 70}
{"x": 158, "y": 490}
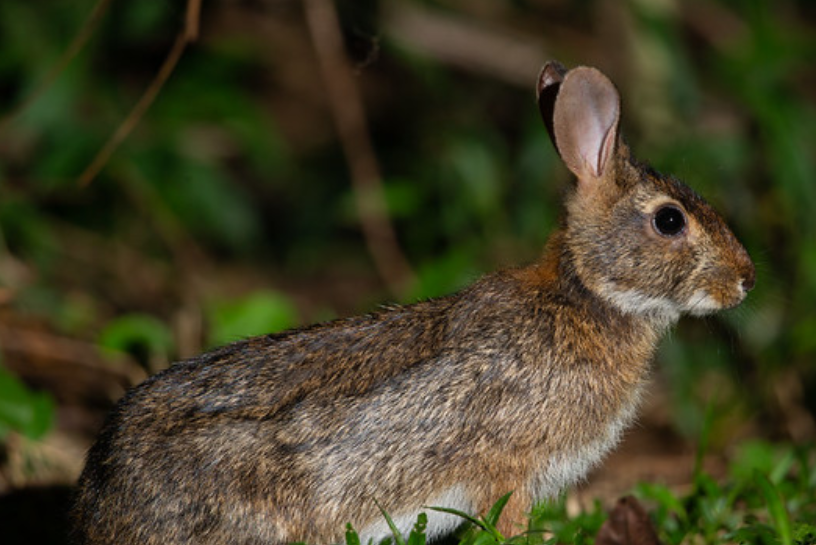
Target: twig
{"x": 46, "y": 346}
{"x": 67, "y": 56}
{"x": 187, "y": 35}
{"x": 349, "y": 118}
{"x": 476, "y": 46}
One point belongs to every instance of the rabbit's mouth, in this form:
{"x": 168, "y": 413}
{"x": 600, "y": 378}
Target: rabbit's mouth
{"x": 702, "y": 302}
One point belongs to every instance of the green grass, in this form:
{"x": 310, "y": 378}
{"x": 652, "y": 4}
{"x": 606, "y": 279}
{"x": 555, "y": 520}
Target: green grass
{"x": 767, "y": 498}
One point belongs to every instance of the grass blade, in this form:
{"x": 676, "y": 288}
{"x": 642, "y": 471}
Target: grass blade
{"x": 398, "y": 539}
{"x": 460, "y": 514}
{"x": 776, "y": 509}
{"x": 492, "y": 517}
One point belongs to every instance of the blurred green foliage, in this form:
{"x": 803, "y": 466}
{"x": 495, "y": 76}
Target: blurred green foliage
{"x": 767, "y": 498}
{"x": 30, "y": 413}
{"x": 139, "y": 334}
{"x": 257, "y": 314}
{"x": 236, "y": 167}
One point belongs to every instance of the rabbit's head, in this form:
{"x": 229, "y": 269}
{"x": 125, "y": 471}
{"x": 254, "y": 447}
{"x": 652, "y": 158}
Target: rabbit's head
{"x": 644, "y": 242}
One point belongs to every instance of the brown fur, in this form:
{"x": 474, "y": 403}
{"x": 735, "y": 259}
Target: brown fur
{"x": 520, "y": 382}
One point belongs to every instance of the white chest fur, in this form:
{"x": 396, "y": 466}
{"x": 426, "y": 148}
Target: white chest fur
{"x": 564, "y": 468}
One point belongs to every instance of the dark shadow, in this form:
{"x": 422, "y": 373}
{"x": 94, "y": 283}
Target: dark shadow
{"x": 35, "y": 516}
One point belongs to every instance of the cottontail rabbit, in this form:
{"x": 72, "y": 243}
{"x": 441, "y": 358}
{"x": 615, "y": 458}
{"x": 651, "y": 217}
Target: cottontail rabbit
{"x": 520, "y": 382}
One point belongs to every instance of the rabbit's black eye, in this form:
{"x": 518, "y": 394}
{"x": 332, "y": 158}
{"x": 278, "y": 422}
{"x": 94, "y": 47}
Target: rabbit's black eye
{"x": 669, "y": 221}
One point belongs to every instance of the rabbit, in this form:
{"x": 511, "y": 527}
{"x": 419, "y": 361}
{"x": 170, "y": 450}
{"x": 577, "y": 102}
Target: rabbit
{"x": 520, "y": 382}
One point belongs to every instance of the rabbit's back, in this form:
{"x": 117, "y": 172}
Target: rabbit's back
{"x": 267, "y": 429}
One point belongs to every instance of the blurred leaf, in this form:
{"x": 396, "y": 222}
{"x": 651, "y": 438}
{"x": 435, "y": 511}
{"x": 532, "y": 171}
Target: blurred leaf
{"x": 403, "y": 198}
{"x": 209, "y": 204}
{"x": 540, "y": 180}
{"x": 776, "y": 508}
{"x": 140, "y": 20}
{"x": 476, "y": 167}
{"x": 76, "y": 314}
{"x": 754, "y": 534}
{"x": 22, "y": 410}
{"x": 670, "y": 504}
{"x": 137, "y": 331}
{"x": 27, "y": 232}
{"x": 444, "y": 275}
{"x": 752, "y": 457}
{"x": 804, "y": 534}
{"x": 550, "y": 517}
{"x": 259, "y": 313}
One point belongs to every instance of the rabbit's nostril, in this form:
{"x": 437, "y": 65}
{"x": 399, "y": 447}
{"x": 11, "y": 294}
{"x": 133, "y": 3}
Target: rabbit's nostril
{"x": 748, "y": 283}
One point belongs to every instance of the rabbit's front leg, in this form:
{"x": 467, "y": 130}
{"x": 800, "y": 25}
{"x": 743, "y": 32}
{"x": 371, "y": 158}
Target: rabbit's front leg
{"x": 513, "y": 520}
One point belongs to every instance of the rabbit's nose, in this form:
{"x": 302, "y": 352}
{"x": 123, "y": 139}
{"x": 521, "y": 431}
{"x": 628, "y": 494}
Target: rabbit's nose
{"x": 749, "y": 281}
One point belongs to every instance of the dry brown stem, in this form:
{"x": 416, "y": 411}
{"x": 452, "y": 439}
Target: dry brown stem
{"x": 72, "y": 354}
{"x": 349, "y": 118}
{"x": 492, "y": 51}
{"x": 187, "y": 35}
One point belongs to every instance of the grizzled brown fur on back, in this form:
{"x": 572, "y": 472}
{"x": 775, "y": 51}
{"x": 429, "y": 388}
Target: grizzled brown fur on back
{"x": 221, "y": 427}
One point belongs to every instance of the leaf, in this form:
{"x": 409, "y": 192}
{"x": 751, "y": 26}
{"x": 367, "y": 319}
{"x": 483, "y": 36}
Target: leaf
{"x": 352, "y": 537}
{"x": 492, "y": 517}
{"x": 756, "y": 533}
{"x": 704, "y": 438}
{"x": 126, "y": 332}
{"x": 776, "y": 508}
{"x": 473, "y": 520}
{"x": 447, "y": 273}
{"x": 22, "y": 410}
{"x": 210, "y": 205}
{"x": 804, "y": 533}
{"x": 751, "y": 457}
{"x": 486, "y": 538}
{"x": 259, "y": 313}
{"x": 398, "y": 538}
{"x": 417, "y": 536}
{"x": 665, "y": 497}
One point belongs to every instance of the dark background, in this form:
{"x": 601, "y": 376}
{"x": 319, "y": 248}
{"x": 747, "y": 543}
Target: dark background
{"x": 231, "y": 210}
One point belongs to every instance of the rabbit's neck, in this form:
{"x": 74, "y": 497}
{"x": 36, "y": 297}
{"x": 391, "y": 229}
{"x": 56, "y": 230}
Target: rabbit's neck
{"x": 607, "y": 373}
{"x": 556, "y": 272}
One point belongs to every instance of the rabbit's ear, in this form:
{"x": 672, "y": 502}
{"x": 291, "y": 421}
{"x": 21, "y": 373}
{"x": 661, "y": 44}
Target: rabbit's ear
{"x": 585, "y": 122}
{"x": 547, "y": 86}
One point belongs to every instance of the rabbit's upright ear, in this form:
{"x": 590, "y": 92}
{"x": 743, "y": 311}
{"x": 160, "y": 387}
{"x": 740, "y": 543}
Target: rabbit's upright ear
{"x": 585, "y": 122}
{"x": 547, "y": 86}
